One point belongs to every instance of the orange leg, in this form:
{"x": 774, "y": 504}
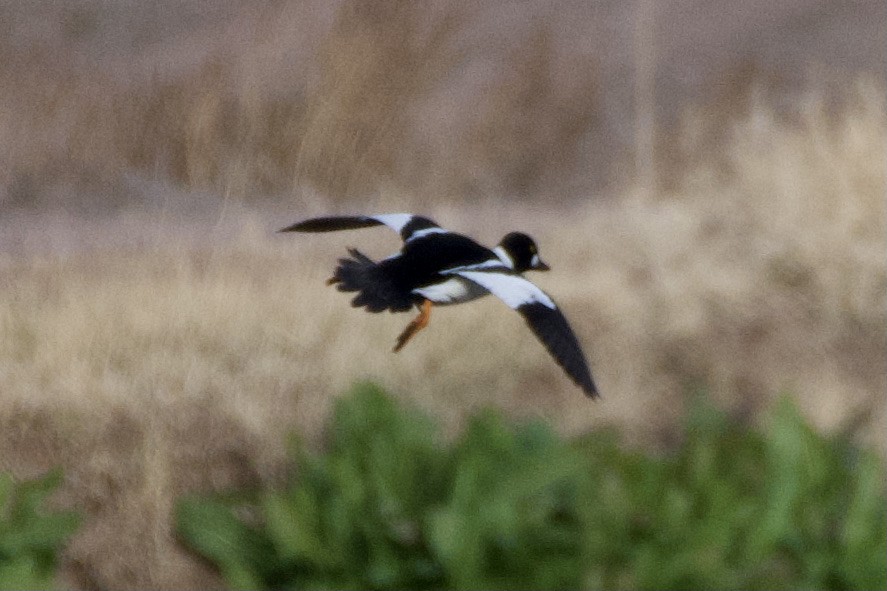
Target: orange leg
{"x": 418, "y": 323}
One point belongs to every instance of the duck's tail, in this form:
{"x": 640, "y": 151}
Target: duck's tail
{"x": 376, "y": 290}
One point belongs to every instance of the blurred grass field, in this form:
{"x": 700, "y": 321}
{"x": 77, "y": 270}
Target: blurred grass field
{"x": 157, "y": 337}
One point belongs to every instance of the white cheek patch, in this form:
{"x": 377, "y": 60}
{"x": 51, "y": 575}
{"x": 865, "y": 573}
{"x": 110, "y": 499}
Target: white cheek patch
{"x": 534, "y": 261}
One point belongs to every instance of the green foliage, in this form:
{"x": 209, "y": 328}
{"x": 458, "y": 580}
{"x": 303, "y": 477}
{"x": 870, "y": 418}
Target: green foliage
{"x": 739, "y": 509}
{"x": 31, "y": 537}
{"x": 390, "y": 506}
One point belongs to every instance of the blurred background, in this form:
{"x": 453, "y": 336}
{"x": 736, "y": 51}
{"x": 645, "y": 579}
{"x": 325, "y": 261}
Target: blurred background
{"x": 448, "y": 101}
{"x": 707, "y": 181}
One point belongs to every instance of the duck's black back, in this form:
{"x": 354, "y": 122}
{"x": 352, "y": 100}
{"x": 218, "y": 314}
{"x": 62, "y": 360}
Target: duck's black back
{"x": 422, "y": 259}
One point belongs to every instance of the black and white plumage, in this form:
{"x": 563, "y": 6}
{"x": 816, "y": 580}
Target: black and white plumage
{"x": 439, "y": 267}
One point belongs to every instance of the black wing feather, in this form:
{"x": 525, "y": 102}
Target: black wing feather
{"x": 405, "y": 224}
{"x": 551, "y": 327}
{"x": 332, "y": 224}
{"x": 542, "y": 315}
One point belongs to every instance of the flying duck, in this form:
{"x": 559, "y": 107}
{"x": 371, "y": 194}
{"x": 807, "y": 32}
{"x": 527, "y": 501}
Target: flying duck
{"x": 439, "y": 267}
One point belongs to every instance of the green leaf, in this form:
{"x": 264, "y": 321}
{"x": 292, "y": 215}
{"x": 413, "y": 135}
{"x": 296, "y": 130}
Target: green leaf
{"x": 23, "y": 573}
{"x": 7, "y": 486}
{"x": 211, "y": 527}
{"x": 39, "y": 533}
{"x": 31, "y": 535}
{"x": 292, "y": 525}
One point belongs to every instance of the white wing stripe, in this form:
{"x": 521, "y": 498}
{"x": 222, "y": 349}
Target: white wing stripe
{"x": 514, "y": 290}
{"x": 395, "y": 221}
{"x": 504, "y": 257}
{"x": 425, "y": 232}
{"x": 484, "y": 265}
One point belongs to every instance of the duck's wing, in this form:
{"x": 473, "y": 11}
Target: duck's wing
{"x": 542, "y": 315}
{"x": 409, "y": 226}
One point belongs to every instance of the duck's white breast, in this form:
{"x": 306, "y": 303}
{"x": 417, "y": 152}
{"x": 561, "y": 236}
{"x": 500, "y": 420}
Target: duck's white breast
{"x": 454, "y": 290}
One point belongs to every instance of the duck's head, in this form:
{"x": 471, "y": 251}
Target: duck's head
{"x": 520, "y": 252}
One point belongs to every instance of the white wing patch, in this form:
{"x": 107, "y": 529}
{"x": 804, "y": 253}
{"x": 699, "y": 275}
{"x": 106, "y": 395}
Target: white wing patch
{"x": 425, "y": 232}
{"x": 514, "y": 290}
{"x": 490, "y": 264}
{"x": 504, "y": 257}
{"x": 395, "y": 221}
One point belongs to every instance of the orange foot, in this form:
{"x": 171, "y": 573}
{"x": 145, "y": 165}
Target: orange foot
{"x": 418, "y": 323}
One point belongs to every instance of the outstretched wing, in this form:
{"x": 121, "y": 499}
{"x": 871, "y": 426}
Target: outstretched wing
{"x": 544, "y": 318}
{"x": 407, "y": 225}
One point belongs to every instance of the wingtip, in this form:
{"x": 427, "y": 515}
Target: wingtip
{"x": 290, "y": 228}
{"x": 592, "y": 393}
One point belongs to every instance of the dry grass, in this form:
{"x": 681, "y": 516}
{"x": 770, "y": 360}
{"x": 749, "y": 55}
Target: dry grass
{"x": 171, "y": 363}
{"x": 170, "y": 347}
{"x": 346, "y": 99}
{"x": 445, "y": 101}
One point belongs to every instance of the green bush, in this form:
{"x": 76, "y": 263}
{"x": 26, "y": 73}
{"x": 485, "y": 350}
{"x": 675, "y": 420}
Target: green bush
{"x": 31, "y": 537}
{"x": 389, "y": 506}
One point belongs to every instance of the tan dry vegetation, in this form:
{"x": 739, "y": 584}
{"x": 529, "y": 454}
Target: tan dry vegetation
{"x": 348, "y": 99}
{"x": 452, "y": 100}
{"x": 171, "y": 347}
{"x": 181, "y": 364}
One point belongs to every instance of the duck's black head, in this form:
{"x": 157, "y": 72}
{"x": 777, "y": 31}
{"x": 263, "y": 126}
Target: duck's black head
{"x": 522, "y": 251}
